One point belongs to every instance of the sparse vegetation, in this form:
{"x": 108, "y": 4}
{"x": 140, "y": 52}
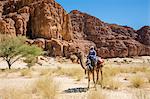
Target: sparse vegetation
{"x": 49, "y": 72}
{"x": 115, "y": 78}
{"x": 112, "y": 71}
{"x": 11, "y": 93}
{"x": 96, "y": 95}
{"x": 148, "y": 77}
{"x": 26, "y": 72}
{"x": 46, "y": 87}
{"x": 140, "y": 94}
{"x": 76, "y": 73}
{"x": 14, "y": 48}
{"x": 11, "y": 71}
{"x": 30, "y": 61}
{"x": 137, "y": 81}
{"x": 110, "y": 83}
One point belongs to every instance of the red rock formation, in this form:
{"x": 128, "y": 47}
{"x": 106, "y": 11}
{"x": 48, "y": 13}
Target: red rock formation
{"x": 54, "y": 47}
{"x": 44, "y": 18}
{"x": 7, "y": 26}
{"x": 111, "y": 40}
{"x": 60, "y": 33}
{"x": 144, "y": 35}
{"x": 1, "y": 9}
{"x": 50, "y": 20}
{"x": 40, "y": 42}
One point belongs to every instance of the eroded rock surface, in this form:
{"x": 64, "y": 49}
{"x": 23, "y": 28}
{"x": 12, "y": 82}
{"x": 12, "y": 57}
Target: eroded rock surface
{"x": 111, "y": 40}
{"x": 49, "y": 26}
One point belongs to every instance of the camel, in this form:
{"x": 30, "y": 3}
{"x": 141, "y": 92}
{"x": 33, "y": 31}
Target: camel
{"x": 92, "y": 71}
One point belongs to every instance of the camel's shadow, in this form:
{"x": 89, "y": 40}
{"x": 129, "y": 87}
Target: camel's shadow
{"x": 76, "y": 90}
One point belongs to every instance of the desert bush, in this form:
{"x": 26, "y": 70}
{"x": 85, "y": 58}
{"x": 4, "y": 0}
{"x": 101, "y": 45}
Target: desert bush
{"x": 96, "y": 95}
{"x": 30, "y": 61}
{"x": 46, "y": 87}
{"x": 137, "y": 81}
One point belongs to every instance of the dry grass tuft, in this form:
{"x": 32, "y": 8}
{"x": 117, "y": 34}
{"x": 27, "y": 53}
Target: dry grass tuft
{"x": 137, "y": 81}
{"x": 110, "y": 83}
{"x": 46, "y": 87}
{"x": 140, "y": 94}
{"x": 148, "y": 74}
{"x": 148, "y": 77}
{"x": 112, "y": 71}
{"x": 136, "y": 69}
{"x": 96, "y": 95}
{"x": 76, "y": 73}
{"x": 11, "y": 70}
{"x": 10, "y": 93}
{"x": 47, "y": 72}
{"x": 26, "y": 72}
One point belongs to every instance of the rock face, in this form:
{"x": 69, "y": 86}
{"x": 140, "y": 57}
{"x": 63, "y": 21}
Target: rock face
{"x": 7, "y": 26}
{"x": 55, "y": 47}
{"x": 144, "y": 35}
{"x": 37, "y": 18}
{"x": 111, "y": 40}
{"x": 50, "y": 27}
{"x": 50, "y": 20}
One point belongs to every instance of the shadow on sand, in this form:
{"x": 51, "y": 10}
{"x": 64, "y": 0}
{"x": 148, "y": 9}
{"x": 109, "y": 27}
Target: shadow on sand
{"x": 76, "y": 90}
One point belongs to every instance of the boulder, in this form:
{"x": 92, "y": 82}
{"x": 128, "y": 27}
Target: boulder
{"x": 40, "y": 42}
{"x": 54, "y": 47}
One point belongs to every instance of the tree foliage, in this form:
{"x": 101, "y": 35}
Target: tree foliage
{"x": 14, "y": 48}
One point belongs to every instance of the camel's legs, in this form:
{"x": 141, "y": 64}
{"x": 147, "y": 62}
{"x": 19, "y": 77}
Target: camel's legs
{"x": 101, "y": 76}
{"x": 88, "y": 79}
{"x": 97, "y": 74}
{"x": 94, "y": 78}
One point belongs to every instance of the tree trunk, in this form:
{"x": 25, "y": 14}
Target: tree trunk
{"x": 9, "y": 65}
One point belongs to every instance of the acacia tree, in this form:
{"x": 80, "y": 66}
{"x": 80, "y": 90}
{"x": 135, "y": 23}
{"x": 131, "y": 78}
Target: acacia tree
{"x": 14, "y": 48}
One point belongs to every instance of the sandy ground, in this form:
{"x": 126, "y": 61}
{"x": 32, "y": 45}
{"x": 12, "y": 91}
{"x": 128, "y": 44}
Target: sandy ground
{"x": 69, "y": 88}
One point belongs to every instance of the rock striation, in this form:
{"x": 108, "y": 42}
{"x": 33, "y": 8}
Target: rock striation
{"x": 49, "y": 26}
{"x": 110, "y": 40}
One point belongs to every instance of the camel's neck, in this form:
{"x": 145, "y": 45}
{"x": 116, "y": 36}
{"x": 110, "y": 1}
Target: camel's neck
{"x": 81, "y": 63}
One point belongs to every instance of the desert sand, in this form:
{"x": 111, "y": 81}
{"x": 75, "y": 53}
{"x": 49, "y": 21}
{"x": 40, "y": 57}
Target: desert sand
{"x": 71, "y": 88}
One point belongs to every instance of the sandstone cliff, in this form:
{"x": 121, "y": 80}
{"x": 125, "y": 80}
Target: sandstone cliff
{"x": 48, "y": 25}
{"x": 111, "y": 40}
